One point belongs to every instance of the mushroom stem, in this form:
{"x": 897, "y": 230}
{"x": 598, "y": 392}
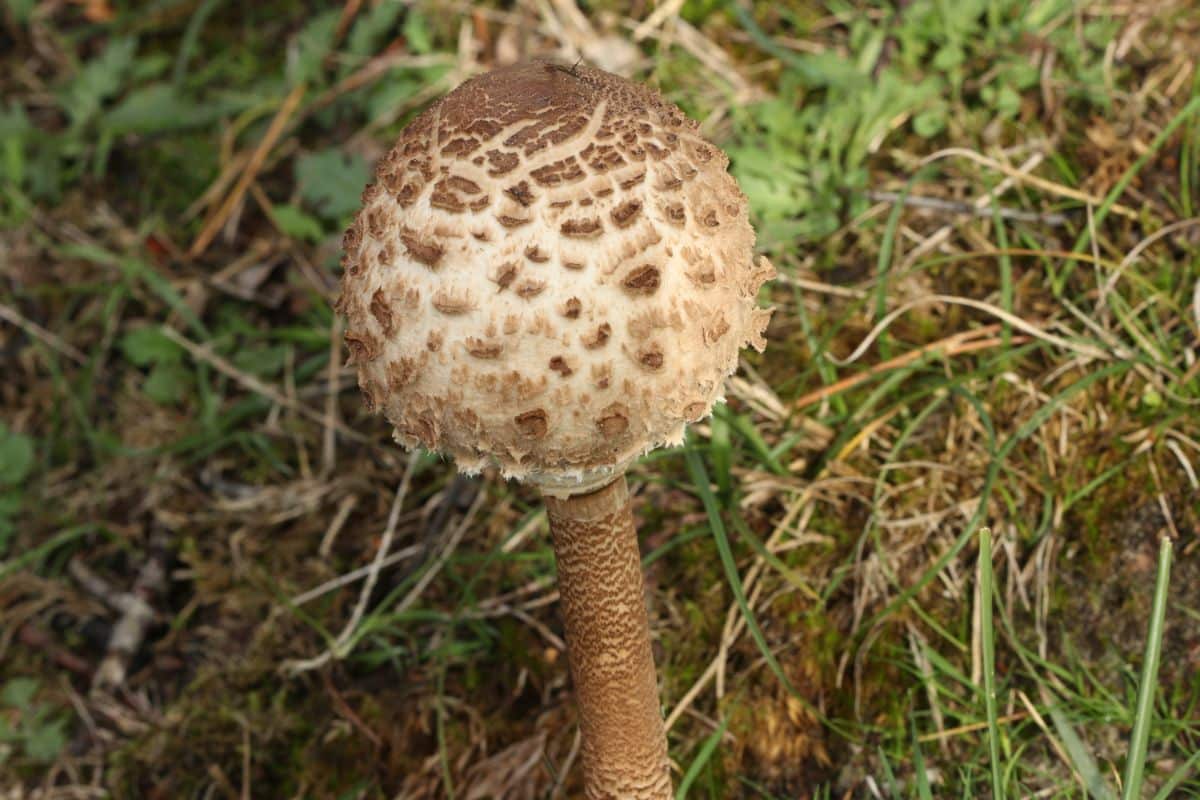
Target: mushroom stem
{"x": 608, "y": 644}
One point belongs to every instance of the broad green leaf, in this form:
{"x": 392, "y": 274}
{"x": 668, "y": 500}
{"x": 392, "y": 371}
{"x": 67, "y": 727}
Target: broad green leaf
{"x": 312, "y": 45}
{"x": 331, "y": 182}
{"x": 264, "y": 361}
{"x": 930, "y": 123}
{"x": 45, "y": 741}
{"x": 388, "y": 95}
{"x": 162, "y": 107}
{"x": 149, "y": 345}
{"x": 167, "y": 382}
{"x": 297, "y": 224}
{"x": 1003, "y": 98}
{"x": 98, "y": 80}
{"x": 14, "y": 123}
{"x": 22, "y": 9}
{"x": 416, "y": 32}
{"x": 19, "y": 692}
{"x": 370, "y": 28}
{"x": 16, "y": 457}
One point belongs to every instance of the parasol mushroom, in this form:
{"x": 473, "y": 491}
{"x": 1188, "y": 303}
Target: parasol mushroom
{"x": 552, "y": 275}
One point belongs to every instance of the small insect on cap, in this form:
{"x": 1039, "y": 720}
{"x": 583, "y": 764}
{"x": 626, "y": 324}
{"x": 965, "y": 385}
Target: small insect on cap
{"x": 553, "y": 272}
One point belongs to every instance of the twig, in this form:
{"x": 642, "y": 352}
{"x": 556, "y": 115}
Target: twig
{"x": 1196, "y": 306}
{"x": 377, "y": 66}
{"x": 39, "y": 640}
{"x": 1111, "y": 281}
{"x": 983, "y": 201}
{"x": 444, "y": 556}
{"x": 41, "y": 334}
{"x": 970, "y": 727}
{"x": 136, "y": 614}
{"x": 257, "y": 159}
{"x": 205, "y": 354}
{"x": 953, "y": 345}
{"x": 565, "y": 770}
{"x": 339, "y": 649}
{"x": 349, "y": 12}
{"x": 714, "y": 58}
{"x": 335, "y": 526}
{"x": 1032, "y": 180}
{"x": 346, "y": 711}
{"x": 978, "y": 305}
{"x": 958, "y": 207}
{"x": 352, "y": 576}
{"x": 657, "y": 18}
{"x": 819, "y": 287}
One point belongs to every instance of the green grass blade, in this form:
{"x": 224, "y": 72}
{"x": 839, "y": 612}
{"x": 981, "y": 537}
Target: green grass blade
{"x": 889, "y": 776}
{"x": 786, "y": 572}
{"x": 702, "y": 757}
{"x": 1080, "y": 757}
{"x": 1035, "y": 421}
{"x": 1177, "y": 777}
{"x": 1144, "y": 715}
{"x": 35, "y": 554}
{"x": 1123, "y": 183}
{"x": 989, "y": 660}
{"x": 924, "y": 792}
{"x": 700, "y": 479}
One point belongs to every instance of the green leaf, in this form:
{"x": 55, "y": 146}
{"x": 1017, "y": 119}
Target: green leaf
{"x": 297, "y": 224}
{"x": 22, "y": 9}
{"x": 10, "y": 504}
{"x": 313, "y": 44}
{"x": 1004, "y": 99}
{"x": 949, "y": 57}
{"x": 388, "y": 95}
{"x": 46, "y": 741}
{"x": 368, "y": 32}
{"x": 167, "y": 383}
{"x": 416, "y": 33}
{"x": 162, "y": 107}
{"x": 149, "y": 345}
{"x": 702, "y": 757}
{"x": 331, "y": 182}
{"x": 1139, "y": 738}
{"x": 150, "y": 108}
{"x": 16, "y": 457}
{"x": 264, "y": 361}
{"x": 99, "y": 80}
{"x": 14, "y": 123}
{"x": 18, "y": 692}
{"x": 930, "y": 123}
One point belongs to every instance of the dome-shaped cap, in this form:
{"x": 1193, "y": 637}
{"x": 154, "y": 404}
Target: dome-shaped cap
{"x": 553, "y": 272}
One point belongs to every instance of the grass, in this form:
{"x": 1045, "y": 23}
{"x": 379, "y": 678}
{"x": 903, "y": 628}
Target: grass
{"x": 941, "y": 542}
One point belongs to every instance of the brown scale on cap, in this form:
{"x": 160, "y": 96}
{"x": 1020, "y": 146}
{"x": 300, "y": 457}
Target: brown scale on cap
{"x": 642, "y": 280}
{"x": 554, "y": 224}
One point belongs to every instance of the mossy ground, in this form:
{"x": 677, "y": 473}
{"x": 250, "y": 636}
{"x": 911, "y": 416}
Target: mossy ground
{"x": 984, "y": 214}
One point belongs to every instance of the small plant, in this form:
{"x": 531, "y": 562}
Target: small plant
{"x": 28, "y": 729}
{"x": 16, "y": 461}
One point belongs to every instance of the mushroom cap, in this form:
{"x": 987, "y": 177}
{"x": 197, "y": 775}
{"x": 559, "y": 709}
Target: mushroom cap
{"x": 552, "y": 273}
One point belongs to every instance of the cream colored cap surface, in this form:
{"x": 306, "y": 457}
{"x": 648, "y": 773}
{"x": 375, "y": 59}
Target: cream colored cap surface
{"x": 553, "y": 272}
